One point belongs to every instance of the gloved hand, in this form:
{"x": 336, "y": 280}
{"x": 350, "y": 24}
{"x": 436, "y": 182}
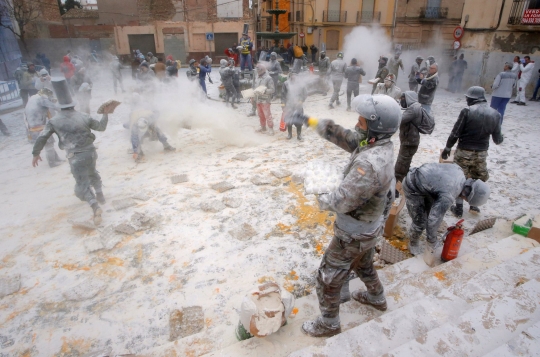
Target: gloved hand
{"x": 300, "y": 119}
{"x": 446, "y": 153}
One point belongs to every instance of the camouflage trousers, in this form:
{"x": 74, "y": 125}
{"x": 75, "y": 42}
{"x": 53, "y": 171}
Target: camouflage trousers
{"x": 403, "y": 162}
{"x": 83, "y": 169}
{"x": 473, "y": 163}
{"x": 338, "y": 261}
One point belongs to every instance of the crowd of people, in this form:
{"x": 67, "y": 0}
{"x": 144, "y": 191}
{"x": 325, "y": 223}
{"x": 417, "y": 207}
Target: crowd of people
{"x": 372, "y": 178}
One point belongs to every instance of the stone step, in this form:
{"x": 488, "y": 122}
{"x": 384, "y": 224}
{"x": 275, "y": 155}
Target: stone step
{"x": 405, "y": 282}
{"x": 411, "y": 321}
{"x": 526, "y": 344}
{"x": 479, "y": 330}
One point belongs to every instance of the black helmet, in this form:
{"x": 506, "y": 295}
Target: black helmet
{"x": 382, "y": 113}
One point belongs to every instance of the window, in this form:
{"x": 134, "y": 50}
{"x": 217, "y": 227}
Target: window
{"x": 526, "y": 12}
{"x": 332, "y": 40}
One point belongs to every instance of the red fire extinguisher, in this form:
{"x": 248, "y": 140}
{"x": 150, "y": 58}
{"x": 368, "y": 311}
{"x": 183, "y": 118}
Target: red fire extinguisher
{"x": 452, "y": 241}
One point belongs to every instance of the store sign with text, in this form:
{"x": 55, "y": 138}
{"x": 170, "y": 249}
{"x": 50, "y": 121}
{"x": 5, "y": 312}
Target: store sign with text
{"x": 531, "y": 17}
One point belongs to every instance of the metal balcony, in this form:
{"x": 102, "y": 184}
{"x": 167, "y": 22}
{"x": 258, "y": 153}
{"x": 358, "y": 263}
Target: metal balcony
{"x": 334, "y": 16}
{"x": 433, "y": 13}
{"x": 522, "y": 14}
{"x": 366, "y": 17}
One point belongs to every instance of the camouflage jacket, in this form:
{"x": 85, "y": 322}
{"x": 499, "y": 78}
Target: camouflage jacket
{"x": 74, "y": 131}
{"x": 364, "y": 197}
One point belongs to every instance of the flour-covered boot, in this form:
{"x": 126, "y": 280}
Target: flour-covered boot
{"x": 432, "y": 251}
{"x": 415, "y": 248}
{"x": 97, "y": 214}
{"x": 322, "y": 327}
{"x": 377, "y": 301}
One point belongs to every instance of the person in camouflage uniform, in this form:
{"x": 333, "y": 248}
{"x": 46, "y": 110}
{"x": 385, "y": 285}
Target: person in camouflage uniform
{"x": 353, "y": 73}
{"x": 274, "y": 70}
{"x": 324, "y": 64}
{"x": 362, "y": 203}
{"x": 74, "y": 132}
{"x": 475, "y": 125}
{"x": 416, "y": 69}
{"x": 394, "y": 64}
{"x": 337, "y": 73}
{"x": 382, "y": 72}
{"x": 226, "y": 71}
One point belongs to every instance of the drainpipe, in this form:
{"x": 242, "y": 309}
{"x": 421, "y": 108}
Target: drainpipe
{"x": 487, "y": 28}
{"x": 394, "y": 20}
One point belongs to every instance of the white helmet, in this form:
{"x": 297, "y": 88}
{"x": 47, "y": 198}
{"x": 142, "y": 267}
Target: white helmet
{"x": 382, "y": 113}
{"x": 479, "y": 193}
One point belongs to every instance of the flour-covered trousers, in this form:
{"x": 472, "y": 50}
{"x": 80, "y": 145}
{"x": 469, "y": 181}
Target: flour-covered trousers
{"x": 265, "y": 115}
{"x": 83, "y": 169}
{"x": 342, "y": 257}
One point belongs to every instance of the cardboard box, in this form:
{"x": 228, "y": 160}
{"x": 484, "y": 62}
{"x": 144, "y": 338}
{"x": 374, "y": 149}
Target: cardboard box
{"x": 534, "y": 232}
{"x": 394, "y": 213}
{"x": 450, "y": 159}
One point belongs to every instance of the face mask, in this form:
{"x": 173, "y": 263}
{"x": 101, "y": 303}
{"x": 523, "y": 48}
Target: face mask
{"x": 322, "y": 56}
{"x": 403, "y": 102}
{"x": 362, "y": 141}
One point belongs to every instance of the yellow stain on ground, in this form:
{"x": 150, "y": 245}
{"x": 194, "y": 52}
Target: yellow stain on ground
{"x": 73, "y": 347}
{"x": 440, "y": 275}
{"x": 266, "y": 279}
{"x": 309, "y": 217}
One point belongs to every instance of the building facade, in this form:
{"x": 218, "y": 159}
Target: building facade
{"x": 325, "y": 23}
{"x": 184, "y": 28}
{"x": 494, "y": 32}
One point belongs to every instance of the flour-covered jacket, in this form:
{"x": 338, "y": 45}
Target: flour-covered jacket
{"x": 37, "y": 111}
{"x": 74, "y": 131}
{"x": 265, "y": 80}
{"x": 392, "y": 91}
{"x": 226, "y": 74}
{"x": 443, "y": 183}
{"x": 337, "y": 69}
{"x": 504, "y": 84}
{"x": 364, "y": 197}
{"x": 353, "y": 73}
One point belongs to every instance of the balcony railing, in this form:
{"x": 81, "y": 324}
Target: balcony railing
{"x": 433, "y": 13}
{"x": 521, "y": 14}
{"x": 334, "y": 16}
{"x": 364, "y": 17}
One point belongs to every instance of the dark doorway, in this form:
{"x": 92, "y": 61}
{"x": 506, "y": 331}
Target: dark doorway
{"x": 144, "y": 43}
{"x": 223, "y": 41}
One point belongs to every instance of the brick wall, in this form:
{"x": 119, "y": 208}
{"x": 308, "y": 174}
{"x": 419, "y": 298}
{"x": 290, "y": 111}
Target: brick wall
{"x": 50, "y": 10}
{"x": 91, "y": 31}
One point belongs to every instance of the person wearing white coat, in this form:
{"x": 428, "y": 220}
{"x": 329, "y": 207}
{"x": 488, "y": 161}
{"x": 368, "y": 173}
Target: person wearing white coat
{"x": 526, "y": 74}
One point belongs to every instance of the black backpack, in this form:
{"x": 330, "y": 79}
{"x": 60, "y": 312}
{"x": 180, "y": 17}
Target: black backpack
{"x": 427, "y": 123}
